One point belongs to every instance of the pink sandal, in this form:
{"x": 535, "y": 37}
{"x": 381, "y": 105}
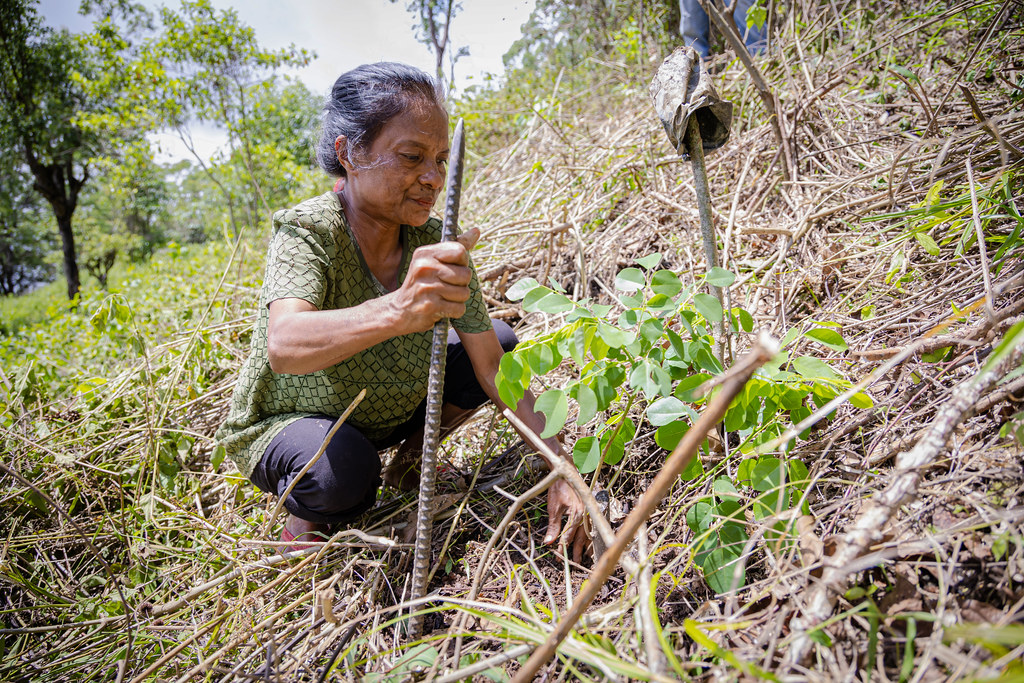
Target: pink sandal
{"x": 287, "y": 537}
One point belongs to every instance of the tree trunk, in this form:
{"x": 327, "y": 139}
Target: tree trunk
{"x": 67, "y": 239}
{"x": 58, "y": 185}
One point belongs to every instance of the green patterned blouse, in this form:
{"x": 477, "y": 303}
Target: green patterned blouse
{"x": 313, "y": 256}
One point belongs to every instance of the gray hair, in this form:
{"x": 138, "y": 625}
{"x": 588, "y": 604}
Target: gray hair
{"x": 363, "y": 100}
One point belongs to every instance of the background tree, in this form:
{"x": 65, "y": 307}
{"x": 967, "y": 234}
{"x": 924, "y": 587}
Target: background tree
{"x": 23, "y": 229}
{"x": 433, "y": 29}
{"x": 39, "y": 100}
{"x": 201, "y": 66}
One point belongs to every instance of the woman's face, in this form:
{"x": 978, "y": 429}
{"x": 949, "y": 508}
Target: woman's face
{"x": 398, "y": 178}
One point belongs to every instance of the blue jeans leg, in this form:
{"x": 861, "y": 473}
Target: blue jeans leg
{"x": 695, "y": 27}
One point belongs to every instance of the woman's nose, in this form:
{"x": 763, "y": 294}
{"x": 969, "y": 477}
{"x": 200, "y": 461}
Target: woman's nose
{"x": 433, "y": 175}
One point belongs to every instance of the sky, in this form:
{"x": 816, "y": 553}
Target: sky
{"x": 344, "y": 34}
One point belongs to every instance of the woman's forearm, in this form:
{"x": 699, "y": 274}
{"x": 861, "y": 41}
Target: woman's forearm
{"x": 301, "y": 339}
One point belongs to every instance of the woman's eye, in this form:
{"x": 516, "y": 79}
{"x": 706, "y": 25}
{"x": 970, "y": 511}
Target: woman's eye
{"x": 412, "y": 157}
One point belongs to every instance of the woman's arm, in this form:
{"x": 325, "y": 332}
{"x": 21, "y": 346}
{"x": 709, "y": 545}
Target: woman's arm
{"x": 302, "y": 339}
{"x": 485, "y": 354}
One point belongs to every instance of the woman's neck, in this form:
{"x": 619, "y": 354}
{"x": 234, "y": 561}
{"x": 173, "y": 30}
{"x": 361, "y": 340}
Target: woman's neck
{"x": 379, "y": 241}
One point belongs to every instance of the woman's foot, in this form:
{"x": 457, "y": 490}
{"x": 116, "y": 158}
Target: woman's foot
{"x": 299, "y": 532}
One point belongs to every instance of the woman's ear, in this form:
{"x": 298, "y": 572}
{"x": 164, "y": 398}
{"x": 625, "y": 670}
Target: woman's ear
{"x": 342, "y": 152}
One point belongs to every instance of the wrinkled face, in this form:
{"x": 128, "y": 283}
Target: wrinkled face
{"x": 397, "y": 180}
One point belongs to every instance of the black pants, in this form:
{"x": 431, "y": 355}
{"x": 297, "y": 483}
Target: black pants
{"x": 343, "y": 483}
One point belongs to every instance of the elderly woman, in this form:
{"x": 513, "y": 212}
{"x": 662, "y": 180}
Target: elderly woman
{"x": 355, "y": 280}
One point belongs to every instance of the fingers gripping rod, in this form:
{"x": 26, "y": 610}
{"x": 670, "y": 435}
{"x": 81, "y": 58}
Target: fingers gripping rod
{"x": 435, "y": 387}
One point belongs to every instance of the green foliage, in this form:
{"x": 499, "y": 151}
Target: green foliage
{"x": 433, "y": 29}
{"x": 204, "y": 66}
{"x": 25, "y": 231}
{"x": 39, "y": 105}
{"x": 77, "y": 355}
{"x": 936, "y": 223}
{"x": 656, "y": 354}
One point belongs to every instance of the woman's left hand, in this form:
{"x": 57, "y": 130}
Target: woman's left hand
{"x": 563, "y": 500}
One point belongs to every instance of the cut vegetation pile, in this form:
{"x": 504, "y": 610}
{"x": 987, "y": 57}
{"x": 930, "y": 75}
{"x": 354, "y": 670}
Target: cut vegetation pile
{"x": 881, "y": 538}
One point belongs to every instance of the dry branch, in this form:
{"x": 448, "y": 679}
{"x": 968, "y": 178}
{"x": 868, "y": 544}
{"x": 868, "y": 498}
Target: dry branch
{"x": 877, "y": 512}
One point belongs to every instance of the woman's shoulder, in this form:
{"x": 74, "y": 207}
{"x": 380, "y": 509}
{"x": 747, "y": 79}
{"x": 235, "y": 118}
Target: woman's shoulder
{"x": 319, "y": 214}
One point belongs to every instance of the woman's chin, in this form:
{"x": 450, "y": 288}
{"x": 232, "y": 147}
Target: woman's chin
{"x": 417, "y": 217}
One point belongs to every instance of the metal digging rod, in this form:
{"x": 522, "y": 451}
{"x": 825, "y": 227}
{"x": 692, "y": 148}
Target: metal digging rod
{"x": 435, "y": 386}
{"x": 695, "y": 148}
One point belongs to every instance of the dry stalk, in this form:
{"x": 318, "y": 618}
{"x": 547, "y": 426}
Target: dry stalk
{"x": 878, "y": 511}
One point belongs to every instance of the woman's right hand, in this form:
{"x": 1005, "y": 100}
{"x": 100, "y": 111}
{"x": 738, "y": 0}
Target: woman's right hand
{"x": 437, "y": 283}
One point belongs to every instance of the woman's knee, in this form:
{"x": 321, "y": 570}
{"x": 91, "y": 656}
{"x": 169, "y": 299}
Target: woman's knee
{"x": 341, "y": 484}
{"x": 342, "y": 480}
{"x": 506, "y": 336}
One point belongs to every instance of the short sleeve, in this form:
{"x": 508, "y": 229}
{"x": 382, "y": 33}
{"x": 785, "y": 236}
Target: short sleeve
{"x": 297, "y": 265}
{"x": 475, "y": 319}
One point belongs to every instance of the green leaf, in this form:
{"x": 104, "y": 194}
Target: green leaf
{"x": 652, "y": 330}
{"x": 861, "y": 400}
{"x": 579, "y": 344}
{"x": 766, "y": 474}
{"x": 728, "y": 497}
{"x": 510, "y": 367}
{"x": 586, "y": 453}
{"x": 613, "y": 336}
{"x": 613, "y": 445}
{"x": 650, "y": 261}
{"x": 555, "y": 408}
{"x": 510, "y": 393}
{"x": 521, "y": 289}
{"x": 720, "y": 277}
{"x": 534, "y": 297}
{"x": 720, "y": 566}
{"x": 745, "y": 319}
{"x": 926, "y": 241}
{"x": 666, "y": 282}
{"x": 789, "y": 337}
{"x": 587, "y": 400}
{"x": 905, "y": 72}
{"x": 542, "y": 358}
{"x": 630, "y": 280}
{"x": 814, "y": 368}
{"x": 1014, "y": 336}
{"x": 937, "y": 355}
{"x": 829, "y": 338}
{"x": 708, "y": 306}
{"x": 701, "y": 516}
{"x": 686, "y": 389}
{"x": 668, "y": 436}
{"x": 604, "y": 390}
{"x": 666, "y": 410}
{"x": 217, "y": 458}
{"x": 554, "y": 303}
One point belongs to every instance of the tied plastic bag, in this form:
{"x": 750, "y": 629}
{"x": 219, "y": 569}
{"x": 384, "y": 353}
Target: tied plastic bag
{"x": 682, "y": 88}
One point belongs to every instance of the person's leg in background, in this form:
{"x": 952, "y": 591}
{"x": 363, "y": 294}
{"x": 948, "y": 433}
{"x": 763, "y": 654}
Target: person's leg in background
{"x": 695, "y": 27}
{"x": 754, "y": 37}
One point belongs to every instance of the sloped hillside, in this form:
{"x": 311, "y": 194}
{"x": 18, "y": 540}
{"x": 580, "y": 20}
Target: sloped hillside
{"x": 857, "y": 517}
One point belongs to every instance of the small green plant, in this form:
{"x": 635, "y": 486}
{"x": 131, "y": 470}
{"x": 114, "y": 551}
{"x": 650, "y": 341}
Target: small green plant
{"x": 936, "y": 222}
{"x": 654, "y": 356}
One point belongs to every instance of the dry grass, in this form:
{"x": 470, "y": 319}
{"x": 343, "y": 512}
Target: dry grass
{"x": 577, "y": 199}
